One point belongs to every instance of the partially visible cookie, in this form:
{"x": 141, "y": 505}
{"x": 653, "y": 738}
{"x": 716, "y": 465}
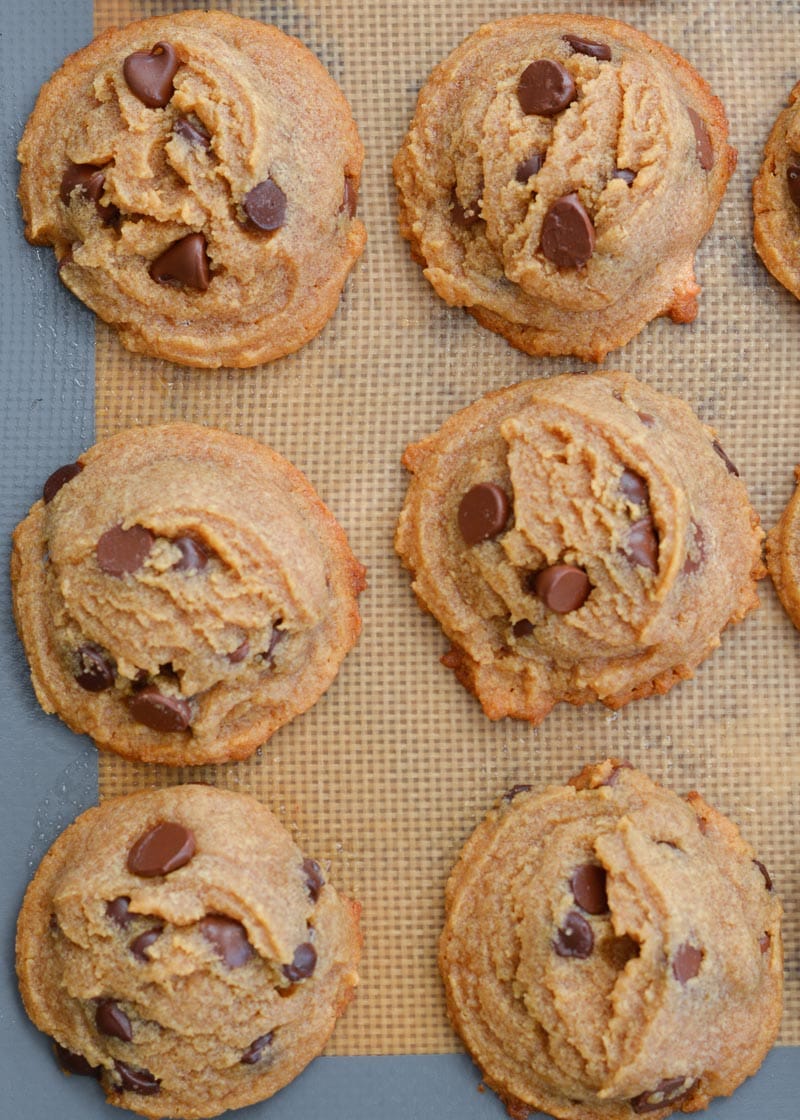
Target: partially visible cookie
{"x": 578, "y": 538}
{"x": 776, "y": 198}
{"x": 197, "y": 175}
{"x": 181, "y": 593}
{"x": 558, "y": 175}
{"x": 177, "y": 945}
{"x": 783, "y": 555}
{"x": 611, "y": 949}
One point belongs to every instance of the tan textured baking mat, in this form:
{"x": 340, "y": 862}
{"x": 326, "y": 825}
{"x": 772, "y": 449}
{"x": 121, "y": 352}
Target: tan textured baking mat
{"x": 388, "y": 774}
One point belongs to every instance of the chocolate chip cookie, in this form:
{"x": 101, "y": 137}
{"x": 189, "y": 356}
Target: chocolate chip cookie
{"x": 776, "y": 198}
{"x": 181, "y": 593}
{"x": 783, "y": 555}
{"x": 178, "y": 946}
{"x": 611, "y": 950}
{"x": 578, "y": 538}
{"x": 197, "y": 175}
{"x": 557, "y": 178}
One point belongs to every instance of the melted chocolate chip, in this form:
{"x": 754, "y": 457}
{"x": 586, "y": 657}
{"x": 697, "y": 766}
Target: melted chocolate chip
{"x": 158, "y": 711}
{"x": 303, "y": 963}
{"x": 765, "y": 873}
{"x": 694, "y": 563}
{"x": 314, "y": 878}
{"x": 464, "y": 216}
{"x": 686, "y": 962}
{"x": 625, "y": 174}
{"x": 634, "y": 487}
{"x": 275, "y": 637}
{"x": 729, "y": 465}
{"x": 529, "y": 166}
{"x": 255, "y": 1051}
{"x": 142, "y": 943}
{"x": 568, "y": 238}
{"x": 642, "y": 546}
{"x": 793, "y": 182}
{"x": 562, "y": 587}
{"x": 522, "y": 628}
{"x": 600, "y": 51}
{"x": 123, "y": 551}
{"x": 228, "y": 939}
{"x": 703, "y": 146}
{"x": 134, "y": 1080}
{"x": 648, "y": 420}
{"x": 240, "y": 653}
{"x": 110, "y": 1019}
{"x": 117, "y": 911}
{"x": 613, "y": 777}
{"x": 163, "y": 848}
{"x": 75, "y": 1063}
{"x": 574, "y": 938}
{"x": 89, "y": 181}
{"x": 192, "y": 132}
{"x": 483, "y": 513}
{"x": 93, "y": 671}
{"x": 667, "y": 1093}
{"x": 184, "y": 263}
{"x": 545, "y": 88}
{"x": 265, "y": 206}
{"x": 194, "y": 555}
{"x": 510, "y": 794}
{"x": 149, "y": 74}
{"x": 59, "y": 478}
{"x": 349, "y": 197}
{"x": 588, "y": 884}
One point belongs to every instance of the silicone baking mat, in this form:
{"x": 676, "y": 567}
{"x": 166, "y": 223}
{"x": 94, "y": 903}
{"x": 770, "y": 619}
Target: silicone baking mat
{"x": 385, "y": 778}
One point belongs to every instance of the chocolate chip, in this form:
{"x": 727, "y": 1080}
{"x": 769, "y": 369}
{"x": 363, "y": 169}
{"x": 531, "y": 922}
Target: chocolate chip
{"x": 693, "y": 563}
{"x": 545, "y": 88}
{"x": 764, "y": 942}
{"x": 158, "y": 711}
{"x": 149, "y": 74}
{"x": 137, "y": 1080}
{"x": 117, "y": 911}
{"x": 194, "y": 555}
{"x": 123, "y": 551}
{"x": 185, "y": 262}
{"x": 588, "y": 884}
{"x": 349, "y": 198}
{"x": 464, "y": 216}
{"x": 59, "y": 478}
{"x": 529, "y": 166}
{"x": 142, "y": 943}
{"x": 315, "y": 880}
{"x": 613, "y": 777}
{"x": 625, "y": 174}
{"x": 89, "y": 181}
{"x": 265, "y": 205}
{"x": 567, "y": 233}
{"x": 75, "y": 1063}
{"x": 642, "y": 546}
{"x": 665, "y": 1094}
{"x": 303, "y": 963}
{"x": 600, "y": 51}
{"x": 94, "y": 672}
{"x": 191, "y": 132}
{"x": 255, "y": 1051}
{"x": 575, "y": 938}
{"x": 646, "y": 419}
{"x": 228, "y": 939}
{"x": 163, "y": 848}
{"x": 634, "y": 487}
{"x": 765, "y": 873}
{"x": 510, "y": 794}
{"x": 239, "y": 654}
{"x": 793, "y": 182}
{"x": 275, "y": 637}
{"x": 483, "y": 513}
{"x": 110, "y": 1019}
{"x": 730, "y": 466}
{"x": 562, "y": 587}
{"x": 522, "y": 628}
{"x": 686, "y": 962}
{"x": 703, "y": 146}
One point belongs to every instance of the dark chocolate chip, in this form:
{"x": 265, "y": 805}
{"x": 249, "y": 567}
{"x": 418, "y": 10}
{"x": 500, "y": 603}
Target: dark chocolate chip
{"x": 265, "y": 205}
{"x": 545, "y": 88}
{"x": 89, "y": 181}
{"x": 134, "y": 1080}
{"x": 228, "y": 939}
{"x": 575, "y": 938}
{"x": 149, "y": 74}
{"x": 303, "y": 963}
{"x": 255, "y": 1051}
{"x": 567, "y": 233}
{"x": 142, "y": 943}
{"x": 522, "y": 628}
{"x": 163, "y": 848}
{"x": 686, "y": 962}
{"x": 240, "y": 653}
{"x": 483, "y": 513}
{"x": 600, "y": 51}
{"x": 122, "y": 551}
{"x": 625, "y": 174}
{"x": 349, "y": 197}
{"x": 464, "y": 216}
{"x": 529, "y": 166}
{"x": 588, "y": 884}
{"x": 110, "y": 1019}
{"x": 158, "y": 711}
{"x": 793, "y": 182}
{"x": 75, "y": 1063}
{"x": 693, "y": 563}
{"x": 192, "y": 132}
{"x": 642, "y": 546}
{"x": 117, "y": 911}
{"x": 764, "y": 942}
{"x": 94, "y": 672}
{"x": 194, "y": 555}
{"x": 59, "y": 478}
{"x": 703, "y": 145}
{"x": 765, "y": 873}
{"x": 634, "y": 487}
{"x": 510, "y": 794}
{"x": 665, "y": 1094}
{"x": 729, "y": 465}
{"x": 562, "y": 587}
{"x": 315, "y": 880}
{"x": 185, "y": 262}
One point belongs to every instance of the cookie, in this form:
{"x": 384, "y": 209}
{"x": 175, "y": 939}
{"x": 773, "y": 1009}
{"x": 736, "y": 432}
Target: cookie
{"x": 181, "y": 593}
{"x": 776, "y": 198}
{"x": 783, "y": 555}
{"x": 557, "y": 178}
{"x": 578, "y": 538}
{"x": 611, "y": 950}
{"x": 177, "y": 945}
{"x": 197, "y": 175}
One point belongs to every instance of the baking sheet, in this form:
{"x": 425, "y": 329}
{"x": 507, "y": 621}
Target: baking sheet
{"x": 388, "y": 774}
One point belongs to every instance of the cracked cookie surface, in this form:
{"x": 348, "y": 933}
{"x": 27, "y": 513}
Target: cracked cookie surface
{"x": 776, "y": 198}
{"x": 178, "y": 946}
{"x": 557, "y": 178}
{"x": 611, "y": 949}
{"x": 197, "y": 175}
{"x": 181, "y": 593}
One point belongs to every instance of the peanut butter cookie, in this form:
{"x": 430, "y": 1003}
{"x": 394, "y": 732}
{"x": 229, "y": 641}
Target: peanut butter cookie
{"x": 776, "y": 198}
{"x": 783, "y": 555}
